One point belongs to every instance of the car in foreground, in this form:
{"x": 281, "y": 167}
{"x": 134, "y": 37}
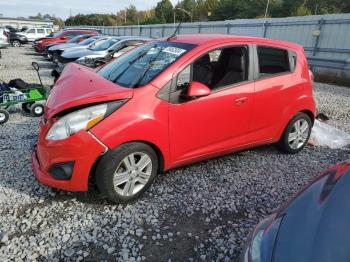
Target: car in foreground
{"x": 313, "y": 226}
{"x": 169, "y": 103}
{"x": 114, "y": 51}
{"x": 17, "y": 39}
{"x": 59, "y": 38}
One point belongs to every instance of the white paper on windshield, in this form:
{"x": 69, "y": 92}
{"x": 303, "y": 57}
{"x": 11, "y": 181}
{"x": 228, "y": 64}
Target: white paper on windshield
{"x": 173, "y": 50}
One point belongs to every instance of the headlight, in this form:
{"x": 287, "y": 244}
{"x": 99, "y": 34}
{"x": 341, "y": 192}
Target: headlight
{"x": 262, "y": 241}
{"x": 82, "y": 119}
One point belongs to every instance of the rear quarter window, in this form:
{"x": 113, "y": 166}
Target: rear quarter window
{"x": 273, "y": 61}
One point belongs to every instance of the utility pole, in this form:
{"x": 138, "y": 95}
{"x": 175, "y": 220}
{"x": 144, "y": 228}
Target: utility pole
{"x": 125, "y": 18}
{"x": 70, "y": 12}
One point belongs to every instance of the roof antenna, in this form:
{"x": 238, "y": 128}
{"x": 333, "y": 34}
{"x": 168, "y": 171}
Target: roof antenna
{"x": 175, "y": 32}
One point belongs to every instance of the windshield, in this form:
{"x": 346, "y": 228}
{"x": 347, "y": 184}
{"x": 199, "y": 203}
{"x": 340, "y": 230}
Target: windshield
{"x": 104, "y": 45}
{"x": 143, "y": 64}
{"x": 88, "y": 41}
{"x": 57, "y": 33}
{"x": 75, "y": 39}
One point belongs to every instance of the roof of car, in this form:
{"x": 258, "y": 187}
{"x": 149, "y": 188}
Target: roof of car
{"x": 199, "y": 39}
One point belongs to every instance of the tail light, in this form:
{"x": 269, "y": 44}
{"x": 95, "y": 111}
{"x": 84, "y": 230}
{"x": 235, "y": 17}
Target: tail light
{"x": 311, "y": 75}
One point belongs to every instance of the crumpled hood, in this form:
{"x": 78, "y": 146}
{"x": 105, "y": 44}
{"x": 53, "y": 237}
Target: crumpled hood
{"x": 79, "y": 85}
{"x": 315, "y": 226}
{"x": 77, "y": 53}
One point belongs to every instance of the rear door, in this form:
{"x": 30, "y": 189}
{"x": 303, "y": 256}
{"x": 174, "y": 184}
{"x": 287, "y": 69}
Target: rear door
{"x": 31, "y": 34}
{"x": 274, "y": 88}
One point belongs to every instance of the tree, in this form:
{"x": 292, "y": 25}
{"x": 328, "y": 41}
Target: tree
{"x": 164, "y": 11}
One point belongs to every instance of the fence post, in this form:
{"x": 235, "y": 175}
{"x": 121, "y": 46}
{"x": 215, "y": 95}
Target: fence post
{"x": 228, "y": 26}
{"x": 150, "y": 31}
{"x": 162, "y": 31}
{"x": 199, "y": 28}
{"x": 140, "y": 31}
{"x": 320, "y": 28}
{"x": 266, "y": 24}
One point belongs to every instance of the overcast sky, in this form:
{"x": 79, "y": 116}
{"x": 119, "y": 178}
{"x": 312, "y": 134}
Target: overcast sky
{"x": 14, "y": 8}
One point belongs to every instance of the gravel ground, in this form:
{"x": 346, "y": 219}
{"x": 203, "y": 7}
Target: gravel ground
{"x": 201, "y": 212}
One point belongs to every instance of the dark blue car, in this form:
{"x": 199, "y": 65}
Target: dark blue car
{"x": 313, "y": 227}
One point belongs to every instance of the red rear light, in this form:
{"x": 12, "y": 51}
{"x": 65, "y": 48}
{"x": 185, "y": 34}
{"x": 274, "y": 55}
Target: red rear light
{"x": 311, "y": 75}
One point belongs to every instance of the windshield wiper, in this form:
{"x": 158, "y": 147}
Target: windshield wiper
{"x": 140, "y": 55}
{"x": 143, "y": 73}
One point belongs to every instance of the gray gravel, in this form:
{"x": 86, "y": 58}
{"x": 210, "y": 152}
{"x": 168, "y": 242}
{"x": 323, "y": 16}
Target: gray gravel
{"x": 201, "y": 212}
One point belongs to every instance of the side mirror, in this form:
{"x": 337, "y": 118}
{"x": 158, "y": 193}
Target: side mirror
{"x": 35, "y": 66}
{"x": 197, "y": 89}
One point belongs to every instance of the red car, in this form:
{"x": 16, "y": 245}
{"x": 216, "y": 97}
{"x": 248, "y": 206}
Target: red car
{"x": 169, "y": 103}
{"x": 60, "y": 38}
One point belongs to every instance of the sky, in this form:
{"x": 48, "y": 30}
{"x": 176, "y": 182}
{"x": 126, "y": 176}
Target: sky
{"x": 61, "y": 8}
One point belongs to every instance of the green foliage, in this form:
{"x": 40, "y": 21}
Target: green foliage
{"x": 204, "y": 10}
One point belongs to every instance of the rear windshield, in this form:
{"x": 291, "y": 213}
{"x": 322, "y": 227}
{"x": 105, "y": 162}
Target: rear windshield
{"x": 104, "y": 45}
{"x": 141, "y": 65}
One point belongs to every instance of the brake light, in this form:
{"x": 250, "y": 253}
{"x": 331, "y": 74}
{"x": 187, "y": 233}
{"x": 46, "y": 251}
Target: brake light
{"x": 311, "y": 75}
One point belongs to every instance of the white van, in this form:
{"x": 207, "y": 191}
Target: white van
{"x": 34, "y": 33}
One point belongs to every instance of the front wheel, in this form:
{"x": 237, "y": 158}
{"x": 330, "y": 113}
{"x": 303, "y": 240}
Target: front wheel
{"x": 16, "y": 43}
{"x": 4, "y": 116}
{"x": 125, "y": 173}
{"x": 297, "y": 134}
{"x": 37, "y": 110}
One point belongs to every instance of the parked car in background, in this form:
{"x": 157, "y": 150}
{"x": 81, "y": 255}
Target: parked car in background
{"x": 4, "y": 41}
{"x": 114, "y": 51}
{"x": 60, "y": 38}
{"x": 34, "y": 33}
{"x": 54, "y": 51}
{"x": 17, "y": 39}
{"x": 313, "y": 226}
{"x": 169, "y": 103}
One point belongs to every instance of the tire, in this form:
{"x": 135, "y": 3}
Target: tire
{"x": 26, "y": 107}
{"x": 298, "y": 128}
{"x": 4, "y": 116}
{"x": 119, "y": 189}
{"x": 16, "y": 43}
{"x": 37, "y": 109}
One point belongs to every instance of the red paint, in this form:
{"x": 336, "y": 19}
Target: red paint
{"x": 60, "y": 39}
{"x": 249, "y": 114}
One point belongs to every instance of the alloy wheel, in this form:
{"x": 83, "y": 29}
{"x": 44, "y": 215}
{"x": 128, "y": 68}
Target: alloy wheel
{"x": 132, "y": 173}
{"x": 298, "y": 134}
{"x": 2, "y": 117}
{"x": 16, "y": 44}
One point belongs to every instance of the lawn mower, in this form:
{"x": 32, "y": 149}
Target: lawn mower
{"x": 30, "y": 96}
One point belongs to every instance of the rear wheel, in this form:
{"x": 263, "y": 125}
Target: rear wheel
{"x": 296, "y": 134}
{"x": 125, "y": 173}
{"x": 4, "y": 116}
{"x": 26, "y": 107}
{"x": 15, "y": 43}
{"x": 37, "y": 109}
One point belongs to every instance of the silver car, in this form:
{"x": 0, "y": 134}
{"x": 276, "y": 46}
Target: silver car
{"x": 114, "y": 51}
{"x": 99, "y": 49}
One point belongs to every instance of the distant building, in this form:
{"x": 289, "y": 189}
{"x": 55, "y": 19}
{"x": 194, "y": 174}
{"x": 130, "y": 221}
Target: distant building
{"x": 24, "y": 22}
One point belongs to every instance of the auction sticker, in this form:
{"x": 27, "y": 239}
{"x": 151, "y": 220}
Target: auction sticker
{"x": 174, "y": 50}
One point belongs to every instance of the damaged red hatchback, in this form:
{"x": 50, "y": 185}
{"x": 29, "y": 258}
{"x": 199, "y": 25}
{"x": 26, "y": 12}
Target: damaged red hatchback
{"x": 169, "y": 103}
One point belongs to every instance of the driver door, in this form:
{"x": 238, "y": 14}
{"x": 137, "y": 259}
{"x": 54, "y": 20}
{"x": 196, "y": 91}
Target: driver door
{"x": 210, "y": 125}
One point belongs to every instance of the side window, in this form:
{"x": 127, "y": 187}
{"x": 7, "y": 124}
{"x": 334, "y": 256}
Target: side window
{"x": 41, "y": 31}
{"x": 183, "y": 79}
{"x": 70, "y": 35}
{"x": 31, "y": 31}
{"x": 48, "y": 31}
{"x": 272, "y": 61}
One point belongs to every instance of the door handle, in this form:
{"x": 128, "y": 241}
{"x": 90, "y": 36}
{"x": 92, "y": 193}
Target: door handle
{"x": 241, "y": 100}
